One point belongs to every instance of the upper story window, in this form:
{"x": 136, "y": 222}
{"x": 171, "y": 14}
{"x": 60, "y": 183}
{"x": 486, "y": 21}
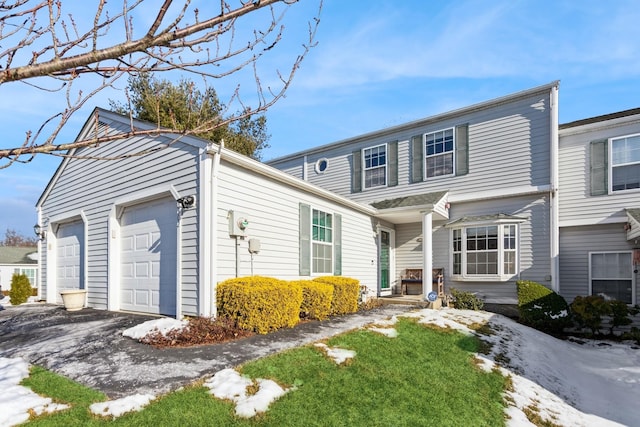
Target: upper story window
{"x": 439, "y": 149}
{"x": 375, "y": 166}
{"x": 625, "y": 163}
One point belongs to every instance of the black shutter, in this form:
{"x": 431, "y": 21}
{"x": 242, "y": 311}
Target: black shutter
{"x": 417, "y": 159}
{"x": 599, "y": 171}
{"x": 356, "y": 171}
{"x": 462, "y": 150}
{"x": 392, "y": 160}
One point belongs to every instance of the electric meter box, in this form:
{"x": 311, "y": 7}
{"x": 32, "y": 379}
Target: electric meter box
{"x": 238, "y": 223}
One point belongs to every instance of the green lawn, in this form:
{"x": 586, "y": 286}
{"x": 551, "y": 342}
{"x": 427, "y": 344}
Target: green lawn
{"x": 423, "y": 377}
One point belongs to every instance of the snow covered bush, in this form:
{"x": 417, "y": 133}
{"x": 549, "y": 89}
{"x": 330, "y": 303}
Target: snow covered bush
{"x": 541, "y": 308}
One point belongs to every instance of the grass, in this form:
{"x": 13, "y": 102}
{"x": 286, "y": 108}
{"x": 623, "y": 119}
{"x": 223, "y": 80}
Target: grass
{"x": 423, "y": 377}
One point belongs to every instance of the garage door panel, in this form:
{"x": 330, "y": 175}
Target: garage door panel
{"x": 69, "y": 259}
{"x": 149, "y": 257}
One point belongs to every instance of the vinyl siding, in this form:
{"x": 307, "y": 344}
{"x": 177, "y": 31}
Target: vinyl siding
{"x": 575, "y": 245}
{"x": 534, "y": 245}
{"x": 509, "y": 146}
{"x": 273, "y": 209}
{"x": 577, "y": 206}
{"x": 92, "y": 186}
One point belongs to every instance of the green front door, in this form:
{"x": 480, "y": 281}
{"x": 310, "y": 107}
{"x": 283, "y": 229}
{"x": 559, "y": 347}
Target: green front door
{"x": 385, "y": 263}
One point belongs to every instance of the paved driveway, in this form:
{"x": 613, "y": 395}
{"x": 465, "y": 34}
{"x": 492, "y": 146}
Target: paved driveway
{"x": 88, "y": 347}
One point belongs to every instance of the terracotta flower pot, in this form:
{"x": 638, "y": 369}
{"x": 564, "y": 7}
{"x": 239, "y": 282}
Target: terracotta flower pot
{"x": 73, "y": 299}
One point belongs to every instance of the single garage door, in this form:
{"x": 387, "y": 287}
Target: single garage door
{"x": 148, "y": 258}
{"x": 69, "y": 259}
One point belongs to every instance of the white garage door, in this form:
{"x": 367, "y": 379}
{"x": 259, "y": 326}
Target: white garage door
{"x": 69, "y": 259}
{"x": 148, "y": 258}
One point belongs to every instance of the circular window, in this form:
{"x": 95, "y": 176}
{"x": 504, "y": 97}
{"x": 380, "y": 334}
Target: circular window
{"x": 321, "y": 165}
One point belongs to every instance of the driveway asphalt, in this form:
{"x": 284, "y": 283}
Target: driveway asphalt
{"x": 88, "y": 347}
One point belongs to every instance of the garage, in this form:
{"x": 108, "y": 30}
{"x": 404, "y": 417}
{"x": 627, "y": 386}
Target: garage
{"x": 69, "y": 259}
{"x": 148, "y": 257}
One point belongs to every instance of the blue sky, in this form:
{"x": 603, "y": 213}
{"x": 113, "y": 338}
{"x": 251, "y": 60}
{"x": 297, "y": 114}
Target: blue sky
{"x": 380, "y": 63}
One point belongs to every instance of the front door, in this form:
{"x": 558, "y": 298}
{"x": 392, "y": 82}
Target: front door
{"x": 385, "y": 262}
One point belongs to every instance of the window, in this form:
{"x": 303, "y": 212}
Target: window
{"x": 485, "y": 251}
{"x": 625, "y": 163}
{"x": 31, "y": 273}
{"x": 322, "y": 238}
{"x": 375, "y": 166}
{"x": 611, "y": 275}
{"x": 321, "y": 165}
{"x": 439, "y": 153}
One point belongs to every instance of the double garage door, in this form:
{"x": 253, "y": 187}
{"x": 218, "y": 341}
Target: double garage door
{"x": 148, "y": 257}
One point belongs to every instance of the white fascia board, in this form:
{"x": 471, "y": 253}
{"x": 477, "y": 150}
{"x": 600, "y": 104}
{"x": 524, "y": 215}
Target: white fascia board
{"x": 500, "y": 194}
{"x": 283, "y": 177}
{"x": 602, "y": 125}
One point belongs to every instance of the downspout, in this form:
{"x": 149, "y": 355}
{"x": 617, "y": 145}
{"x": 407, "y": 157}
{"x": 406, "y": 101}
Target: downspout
{"x": 213, "y": 252}
{"x": 427, "y": 253}
{"x": 554, "y": 194}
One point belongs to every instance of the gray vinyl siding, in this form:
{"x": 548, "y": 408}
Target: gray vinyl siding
{"x": 273, "y": 212}
{"x": 295, "y": 167}
{"x": 509, "y": 147}
{"x": 92, "y": 186}
{"x": 575, "y": 245}
{"x": 577, "y": 205}
{"x": 534, "y": 245}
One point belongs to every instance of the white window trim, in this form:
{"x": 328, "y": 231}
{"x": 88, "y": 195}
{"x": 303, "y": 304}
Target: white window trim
{"x": 386, "y": 167}
{"x": 424, "y": 160}
{"x": 633, "y": 276}
{"x": 610, "y": 166}
{"x": 332, "y": 243}
{"x": 500, "y": 277}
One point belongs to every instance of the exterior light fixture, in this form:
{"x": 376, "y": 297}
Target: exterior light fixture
{"x": 39, "y": 231}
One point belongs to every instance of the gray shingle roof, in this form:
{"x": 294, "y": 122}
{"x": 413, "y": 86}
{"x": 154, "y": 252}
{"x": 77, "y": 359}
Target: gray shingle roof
{"x": 409, "y": 201}
{"x": 16, "y": 255}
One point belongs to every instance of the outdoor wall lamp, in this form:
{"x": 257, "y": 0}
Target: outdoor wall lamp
{"x": 187, "y": 202}
{"x": 38, "y": 230}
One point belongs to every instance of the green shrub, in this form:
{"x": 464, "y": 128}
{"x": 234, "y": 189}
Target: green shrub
{"x": 261, "y": 304}
{"x": 20, "y": 289}
{"x": 541, "y": 308}
{"x": 316, "y": 299}
{"x": 346, "y": 292}
{"x": 588, "y": 311}
{"x": 466, "y": 300}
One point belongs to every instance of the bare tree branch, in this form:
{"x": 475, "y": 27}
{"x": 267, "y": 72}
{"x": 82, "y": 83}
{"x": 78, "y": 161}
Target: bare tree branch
{"x": 47, "y": 47}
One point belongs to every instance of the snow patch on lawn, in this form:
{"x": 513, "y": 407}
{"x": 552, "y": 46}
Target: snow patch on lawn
{"x": 339, "y": 355}
{"x": 230, "y": 385}
{"x": 15, "y": 400}
{"x": 118, "y": 407}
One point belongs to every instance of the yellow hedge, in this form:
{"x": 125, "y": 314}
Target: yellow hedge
{"x": 262, "y": 304}
{"x": 316, "y": 299}
{"x": 345, "y": 293}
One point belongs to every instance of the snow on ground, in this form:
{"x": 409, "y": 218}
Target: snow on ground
{"x": 115, "y": 408}
{"x": 339, "y": 355}
{"x": 162, "y": 325}
{"x": 571, "y": 384}
{"x": 15, "y": 400}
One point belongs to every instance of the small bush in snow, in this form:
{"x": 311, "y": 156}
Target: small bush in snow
{"x": 20, "y": 289}
{"x": 590, "y": 312}
{"x": 541, "y": 308}
{"x": 466, "y": 300}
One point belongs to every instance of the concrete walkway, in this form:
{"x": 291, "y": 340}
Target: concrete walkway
{"x": 87, "y": 346}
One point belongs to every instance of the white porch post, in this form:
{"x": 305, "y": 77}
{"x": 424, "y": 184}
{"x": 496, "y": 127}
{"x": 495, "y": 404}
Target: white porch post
{"x": 427, "y": 253}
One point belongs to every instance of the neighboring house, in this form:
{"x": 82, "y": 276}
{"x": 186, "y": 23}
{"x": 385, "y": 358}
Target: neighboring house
{"x": 471, "y": 191}
{"x": 21, "y": 260}
{"x": 156, "y": 233}
{"x": 600, "y": 206}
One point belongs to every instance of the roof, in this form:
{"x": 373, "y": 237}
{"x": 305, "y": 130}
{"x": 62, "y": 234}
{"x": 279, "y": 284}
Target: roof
{"x": 425, "y": 121}
{"x": 410, "y": 201}
{"x": 499, "y": 217}
{"x": 634, "y": 213}
{"x": 603, "y": 118}
{"x": 17, "y": 255}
